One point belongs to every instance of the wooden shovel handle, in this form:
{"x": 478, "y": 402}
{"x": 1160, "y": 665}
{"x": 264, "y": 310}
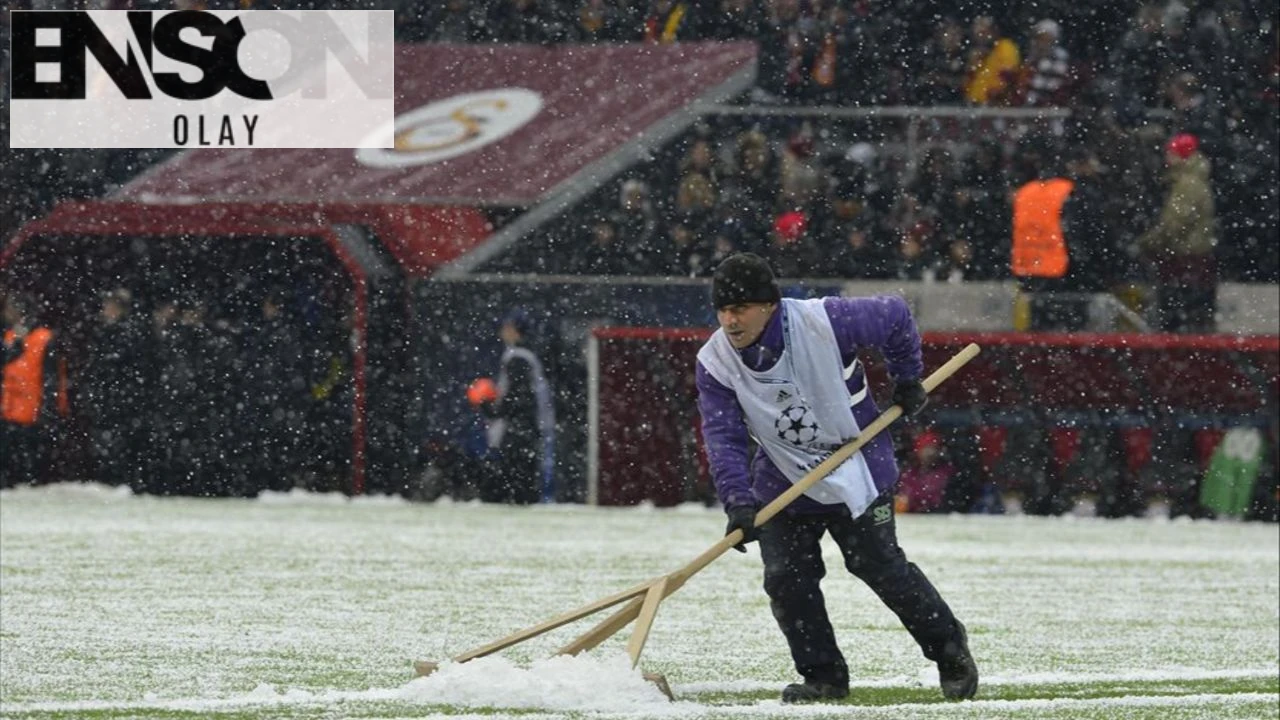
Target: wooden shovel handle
{"x": 886, "y": 418}
{"x": 675, "y": 580}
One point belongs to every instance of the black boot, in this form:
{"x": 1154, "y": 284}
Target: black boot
{"x": 957, "y": 672}
{"x": 807, "y": 692}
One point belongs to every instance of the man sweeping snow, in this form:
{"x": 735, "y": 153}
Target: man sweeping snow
{"x": 786, "y": 373}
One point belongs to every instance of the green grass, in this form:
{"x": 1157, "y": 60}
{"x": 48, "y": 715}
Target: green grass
{"x": 1223, "y": 698}
{"x": 116, "y": 607}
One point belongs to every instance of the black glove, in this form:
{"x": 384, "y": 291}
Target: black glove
{"x": 742, "y": 517}
{"x": 910, "y": 396}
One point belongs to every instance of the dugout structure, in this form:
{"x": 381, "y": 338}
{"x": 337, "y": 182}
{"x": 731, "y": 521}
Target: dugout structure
{"x": 347, "y": 264}
{"x": 491, "y": 147}
{"x": 644, "y": 445}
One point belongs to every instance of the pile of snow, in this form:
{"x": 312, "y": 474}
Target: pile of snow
{"x": 88, "y": 490}
{"x": 606, "y": 683}
{"x": 301, "y": 496}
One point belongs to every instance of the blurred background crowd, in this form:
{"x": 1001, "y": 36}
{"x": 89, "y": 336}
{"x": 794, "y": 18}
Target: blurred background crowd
{"x": 883, "y": 139}
{"x": 824, "y": 193}
{"x": 184, "y": 388}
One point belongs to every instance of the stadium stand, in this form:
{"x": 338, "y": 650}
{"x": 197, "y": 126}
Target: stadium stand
{"x": 863, "y": 146}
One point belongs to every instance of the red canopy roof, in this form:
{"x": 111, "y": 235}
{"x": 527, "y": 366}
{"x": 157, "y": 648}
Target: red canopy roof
{"x": 593, "y": 100}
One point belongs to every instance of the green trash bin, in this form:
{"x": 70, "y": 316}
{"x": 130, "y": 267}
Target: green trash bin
{"x": 1233, "y": 469}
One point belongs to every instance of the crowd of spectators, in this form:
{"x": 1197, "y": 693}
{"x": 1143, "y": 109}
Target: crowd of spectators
{"x": 194, "y": 382}
{"x": 834, "y": 196}
{"x": 1180, "y": 474}
{"x": 267, "y": 417}
{"x": 823, "y": 195}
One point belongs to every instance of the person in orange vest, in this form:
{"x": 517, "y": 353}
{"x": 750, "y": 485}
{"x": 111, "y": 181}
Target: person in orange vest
{"x": 27, "y": 396}
{"x": 1040, "y": 257}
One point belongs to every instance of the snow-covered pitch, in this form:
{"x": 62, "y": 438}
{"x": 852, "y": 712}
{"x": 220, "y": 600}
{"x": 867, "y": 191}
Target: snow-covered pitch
{"x": 307, "y": 606}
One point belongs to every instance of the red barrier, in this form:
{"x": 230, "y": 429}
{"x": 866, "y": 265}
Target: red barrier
{"x": 645, "y": 399}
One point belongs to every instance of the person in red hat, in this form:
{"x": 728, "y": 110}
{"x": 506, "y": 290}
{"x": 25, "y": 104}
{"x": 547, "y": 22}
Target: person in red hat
{"x": 922, "y": 487}
{"x": 1180, "y": 244}
{"x": 790, "y": 249}
{"x": 790, "y": 226}
{"x": 1182, "y": 146}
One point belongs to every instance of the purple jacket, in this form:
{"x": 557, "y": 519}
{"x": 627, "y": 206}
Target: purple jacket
{"x": 883, "y": 322}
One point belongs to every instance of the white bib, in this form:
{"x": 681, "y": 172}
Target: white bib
{"x": 799, "y": 410}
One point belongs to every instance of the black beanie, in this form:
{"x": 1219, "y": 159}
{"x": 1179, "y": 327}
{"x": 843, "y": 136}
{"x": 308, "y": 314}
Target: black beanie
{"x": 743, "y": 278}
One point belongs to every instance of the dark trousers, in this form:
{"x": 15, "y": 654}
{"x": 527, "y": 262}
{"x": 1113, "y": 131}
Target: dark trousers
{"x": 515, "y": 475}
{"x": 1187, "y": 296}
{"x": 792, "y": 553}
{"x": 117, "y": 449}
{"x": 1186, "y": 309}
{"x": 1056, "y": 305}
{"x": 25, "y": 453}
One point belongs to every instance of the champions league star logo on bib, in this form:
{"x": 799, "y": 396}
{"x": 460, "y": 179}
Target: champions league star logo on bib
{"x": 797, "y": 425}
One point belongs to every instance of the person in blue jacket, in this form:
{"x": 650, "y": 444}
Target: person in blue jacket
{"x": 785, "y": 374}
{"x": 520, "y": 421}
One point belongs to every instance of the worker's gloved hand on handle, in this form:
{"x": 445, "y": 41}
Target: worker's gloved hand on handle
{"x": 910, "y": 396}
{"x": 742, "y": 517}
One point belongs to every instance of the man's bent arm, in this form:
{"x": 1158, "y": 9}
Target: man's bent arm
{"x": 882, "y": 322}
{"x": 728, "y": 444}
